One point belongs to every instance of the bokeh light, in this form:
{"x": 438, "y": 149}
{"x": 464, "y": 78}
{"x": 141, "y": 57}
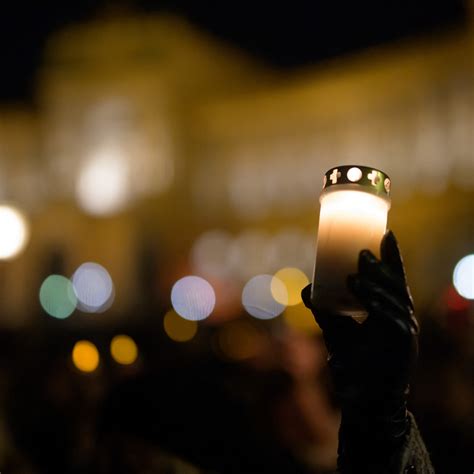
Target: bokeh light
{"x": 85, "y": 356}
{"x": 463, "y": 277}
{"x": 258, "y": 299}
{"x": 248, "y": 254}
{"x": 57, "y": 296}
{"x": 14, "y": 232}
{"x": 228, "y": 293}
{"x": 291, "y": 247}
{"x": 193, "y": 298}
{"x": 301, "y": 319}
{"x": 123, "y": 349}
{"x": 177, "y": 328}
{"x": 210, "y": 254}
{"x": 93, "y": 287}
{"x": 102, "y": 188}
{"x": 454, "y": 301}
{"x": 294, "y": 280}
{"x": 239, "y": 340}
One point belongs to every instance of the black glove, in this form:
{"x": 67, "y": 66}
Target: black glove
{"x": 371, "y": 363}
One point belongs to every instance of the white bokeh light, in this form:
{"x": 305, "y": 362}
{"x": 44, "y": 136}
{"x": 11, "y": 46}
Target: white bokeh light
{"x": 93, "y": 287}
{"x": 210, "y": 254}
{"x": 248, "y": 254}
{"x": 463, "y": 277}
{"x": 103, "y": 186}
{"x": 258, "y": 299}
{"x": 193, "y": 298}
{"x": 14, "y": 232}
{"x": 291, "y": 248}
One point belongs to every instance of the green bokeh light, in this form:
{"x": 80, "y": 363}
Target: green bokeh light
{"x": 57, "y": 296}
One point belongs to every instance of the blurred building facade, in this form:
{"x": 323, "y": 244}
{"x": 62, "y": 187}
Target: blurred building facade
{"x": 149, "y": 133}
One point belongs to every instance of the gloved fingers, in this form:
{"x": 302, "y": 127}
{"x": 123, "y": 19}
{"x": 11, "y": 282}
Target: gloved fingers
{"x": 380, "y": 273}
{"x": 377, "y": 299}
{"x": 414, "y": 325}
{"x": 392, "y": 257}
{"x": 390, "y": 253}
{"x": 319, "y": 316}
{"x": 306, "y": 296}
{"x": 330, "y": 323}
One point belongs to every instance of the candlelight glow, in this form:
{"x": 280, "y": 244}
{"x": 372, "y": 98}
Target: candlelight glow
{"x": 354, "y": 174}
{"x": 14, "y": 232}
{"x": 85, "y": 356}
{"x": 258, "y": 300}
{"x": 463, "y": 277}
{"x": 345, "y": 203}
{"x": 349, "y": 222}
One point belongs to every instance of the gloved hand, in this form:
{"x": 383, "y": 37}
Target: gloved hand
{"x": 371, "y": 363}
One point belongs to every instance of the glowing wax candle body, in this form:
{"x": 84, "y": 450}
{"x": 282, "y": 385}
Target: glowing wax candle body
{"x": 354, "y": 206}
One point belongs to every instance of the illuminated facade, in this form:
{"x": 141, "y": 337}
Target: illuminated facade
{"x": 149, "y": 129}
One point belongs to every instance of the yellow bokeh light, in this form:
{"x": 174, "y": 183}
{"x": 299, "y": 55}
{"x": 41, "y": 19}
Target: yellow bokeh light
{"x": 294, "y": 281}
{"x": 258, "y": 300}
{"x": 85, "y": 356}
{"x": 178, "y": 328}
{"x": 300, "y": 319}
{"x": 123, "y": 350}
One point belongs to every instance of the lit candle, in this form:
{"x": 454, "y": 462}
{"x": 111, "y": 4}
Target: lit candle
{"x": 354, "y": 205}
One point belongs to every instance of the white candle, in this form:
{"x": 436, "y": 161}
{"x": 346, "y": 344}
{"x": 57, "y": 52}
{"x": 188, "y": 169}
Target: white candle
{"x": 354, "y": 206}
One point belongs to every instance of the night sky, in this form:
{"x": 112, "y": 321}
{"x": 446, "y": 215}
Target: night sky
{"x": 283, "y": 34}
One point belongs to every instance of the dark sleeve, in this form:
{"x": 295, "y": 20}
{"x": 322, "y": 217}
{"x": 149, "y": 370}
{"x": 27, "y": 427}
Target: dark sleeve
{"x": 414, "y": 457}
{"x": 365, "y": 451}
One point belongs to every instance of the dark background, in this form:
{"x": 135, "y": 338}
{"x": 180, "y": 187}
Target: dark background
{"x": 283, "y": 34}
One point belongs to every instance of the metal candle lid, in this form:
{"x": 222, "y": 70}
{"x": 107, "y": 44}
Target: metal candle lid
{"x": 357, "y": 177}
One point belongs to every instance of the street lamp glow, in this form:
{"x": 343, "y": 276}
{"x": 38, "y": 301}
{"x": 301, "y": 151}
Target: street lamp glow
{"x": 103, "y": 186}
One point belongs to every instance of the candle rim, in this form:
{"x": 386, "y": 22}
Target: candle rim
{"x": 371, "y": 180}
